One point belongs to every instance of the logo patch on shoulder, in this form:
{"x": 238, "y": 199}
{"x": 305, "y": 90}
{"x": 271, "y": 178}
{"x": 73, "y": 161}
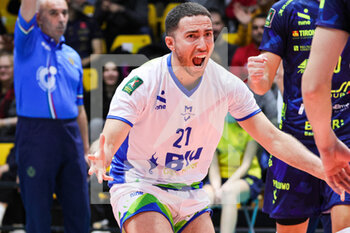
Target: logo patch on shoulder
{"x": 269, "y": 18}
{"x": 132, "y": 85}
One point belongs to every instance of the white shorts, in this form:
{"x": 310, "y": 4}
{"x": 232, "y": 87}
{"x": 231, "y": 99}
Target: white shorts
{"x": 179, "y": 207}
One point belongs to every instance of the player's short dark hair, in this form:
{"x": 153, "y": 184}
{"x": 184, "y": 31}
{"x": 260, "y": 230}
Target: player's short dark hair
{"x": 180, "y": 11}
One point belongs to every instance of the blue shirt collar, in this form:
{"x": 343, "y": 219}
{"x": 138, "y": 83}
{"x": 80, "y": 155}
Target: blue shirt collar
{"x": 177, "y": 82}
{"x": 51, "y": 41}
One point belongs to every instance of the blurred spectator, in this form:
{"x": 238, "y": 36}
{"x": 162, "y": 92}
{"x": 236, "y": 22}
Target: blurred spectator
{"x": 6, "y": 40}
{"x": 8, "y": 116}
{"x": 235, "y": 174}
{"x": 242, "y": 12}
{"x": 239, "y": 14}
{"x": 83, "y": 33}
{"x": 209, "y": 4}
{"x": 122, "y": 17}
{"x": 112, "y": 77}
{"x": 154, "y": 50}
{"x": 223, "y": 51}
{"x": 240, "y": 58}
{"x": 2, "y": 28}
{"x": 264, "y": 6}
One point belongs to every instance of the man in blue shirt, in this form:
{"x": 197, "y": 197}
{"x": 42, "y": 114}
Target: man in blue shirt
{"x": 293, "y": 196}
{"x": 51, "y": 132}
{"x": 331, "y": 35}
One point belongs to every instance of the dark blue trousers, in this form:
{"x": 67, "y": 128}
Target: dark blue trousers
{"x": 50, "y": 159}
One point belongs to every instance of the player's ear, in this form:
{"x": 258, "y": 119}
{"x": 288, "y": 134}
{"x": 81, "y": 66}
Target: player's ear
{"x": 170, "y": 42}
{"x": 38, "y": 19}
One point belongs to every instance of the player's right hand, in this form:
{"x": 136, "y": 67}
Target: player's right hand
{"x": 336, "y": 166}
{"x": 256, "y": 67}
{"x": 98, "y": 162}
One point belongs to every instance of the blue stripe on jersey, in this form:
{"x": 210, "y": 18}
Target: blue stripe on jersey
{"x": 121, "y": 119}
{"x": 249, "y": 116}
{"x": 120, "y": 164}
{"x": 177, "y": 82}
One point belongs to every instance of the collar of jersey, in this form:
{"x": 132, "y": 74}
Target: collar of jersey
{"x": 52, "y": 42}
{"x": 177, "y": 82}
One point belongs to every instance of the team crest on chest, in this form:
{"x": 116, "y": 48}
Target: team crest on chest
{"x": 188, "y": 112}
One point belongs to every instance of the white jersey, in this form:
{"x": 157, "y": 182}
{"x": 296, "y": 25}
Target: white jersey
{"x": 174, "y": 131}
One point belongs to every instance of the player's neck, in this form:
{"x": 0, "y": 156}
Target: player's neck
{"x": 188, "y": 80}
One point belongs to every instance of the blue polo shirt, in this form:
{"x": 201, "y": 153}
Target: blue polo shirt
{"x": 47, "y": 76}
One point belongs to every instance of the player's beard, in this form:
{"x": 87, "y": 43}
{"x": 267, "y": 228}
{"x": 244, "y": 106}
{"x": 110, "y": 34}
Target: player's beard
{"x": 187, "y": 65}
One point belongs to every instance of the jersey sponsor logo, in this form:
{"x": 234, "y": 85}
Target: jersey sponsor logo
{"x": 303, "y": 34}
{"x": 304, "y": 16}
{"x": 46, "y": 78}
{"x": 46, "y": 46}
{"x": 178, "y": 161}
{"x": 302, "y": 66}
{"x": 132, "y": 85}
{"x": 171, "y": 172}
{"x": 270, "y": 17}
{"x": 306, "y": 33}
{"x": 336, "y": 124}
{"x": 162, "y": 100}
{"x": 187, "y": 113}
{"x": 341, "y": 107}
{"x": 274, "y": 196}
{"x": 295, "y": 33}
{"x": 341, "y": 91}
{"x": 280, "y": 12}
{"x": 280, "y": 185}
{"x": 137, "y": 193}
{"x": 301, "y": 48}
{"x": 337, "y": 68}
{"x": 304, "y": 22}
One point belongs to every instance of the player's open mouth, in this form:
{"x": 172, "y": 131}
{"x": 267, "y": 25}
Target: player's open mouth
{"x": 198, "y": 60}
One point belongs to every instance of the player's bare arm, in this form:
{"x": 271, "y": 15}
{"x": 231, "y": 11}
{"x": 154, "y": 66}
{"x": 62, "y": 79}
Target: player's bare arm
{"x": 113, "y": 135}
{"x": 282, "y": 145}
{"x": 28, "y": 9}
